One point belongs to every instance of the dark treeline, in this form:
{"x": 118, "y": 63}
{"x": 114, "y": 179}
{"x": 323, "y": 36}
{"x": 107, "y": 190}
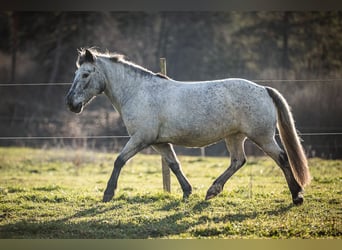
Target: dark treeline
{"x": 41, "y": 47}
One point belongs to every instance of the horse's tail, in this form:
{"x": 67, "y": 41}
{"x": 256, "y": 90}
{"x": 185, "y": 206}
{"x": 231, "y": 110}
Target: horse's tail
{"x": 290, "y": 139}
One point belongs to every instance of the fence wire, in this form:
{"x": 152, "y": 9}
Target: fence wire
{"x": 255, "y": 80}
{"x": 121, "y": 136}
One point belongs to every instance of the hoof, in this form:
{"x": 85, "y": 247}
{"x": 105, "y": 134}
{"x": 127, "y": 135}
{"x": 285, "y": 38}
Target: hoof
{"x": 214, "y": 190}
{"x": 186, "y": 194}
{"x": 298, "y": 200}
{"x": 107, "y": 197}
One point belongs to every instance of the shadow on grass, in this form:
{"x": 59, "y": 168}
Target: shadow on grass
{"x": 240, "y": 217}
{"x": 109, "y": 228}
{"x": 91, "y": 223}
{"x": 200, "y": 206}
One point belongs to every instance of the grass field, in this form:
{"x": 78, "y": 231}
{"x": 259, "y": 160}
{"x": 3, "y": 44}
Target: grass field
{"x": 57, "y": 194}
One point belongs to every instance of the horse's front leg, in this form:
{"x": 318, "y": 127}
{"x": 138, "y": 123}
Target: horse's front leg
{"x": 133, "y": 146}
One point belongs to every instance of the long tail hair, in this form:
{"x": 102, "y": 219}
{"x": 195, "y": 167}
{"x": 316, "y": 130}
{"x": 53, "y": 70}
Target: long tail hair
{"x": 290, "y": 139}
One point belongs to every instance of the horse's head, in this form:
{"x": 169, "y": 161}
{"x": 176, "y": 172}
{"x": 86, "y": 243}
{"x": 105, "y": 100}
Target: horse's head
{"x": 89, "y": 81}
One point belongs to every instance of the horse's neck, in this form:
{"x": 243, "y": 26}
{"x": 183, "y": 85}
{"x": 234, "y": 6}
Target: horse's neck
{"x": 121, "y": 83}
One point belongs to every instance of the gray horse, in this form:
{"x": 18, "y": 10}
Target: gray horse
{"x": 158, "y": 111}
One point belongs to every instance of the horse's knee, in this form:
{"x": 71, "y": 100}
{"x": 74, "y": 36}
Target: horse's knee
{"x": 119, "y": 162}
{"x": 174, "y": 166}
{"x": 239, "y": 162}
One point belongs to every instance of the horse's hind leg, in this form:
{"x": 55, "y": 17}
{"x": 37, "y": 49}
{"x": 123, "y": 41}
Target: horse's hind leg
{"x": 237, "y": 154}
{"x": 270, "y": 147}
{"x": 169, "y": 155}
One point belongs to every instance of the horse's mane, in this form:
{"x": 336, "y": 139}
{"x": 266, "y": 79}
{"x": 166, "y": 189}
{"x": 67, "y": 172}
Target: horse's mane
{"x": 116, "y": 58}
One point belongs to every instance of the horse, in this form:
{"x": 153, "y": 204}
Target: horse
{"x": 161, "y": 112}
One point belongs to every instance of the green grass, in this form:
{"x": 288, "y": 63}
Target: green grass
{"x": 57, "y": 194}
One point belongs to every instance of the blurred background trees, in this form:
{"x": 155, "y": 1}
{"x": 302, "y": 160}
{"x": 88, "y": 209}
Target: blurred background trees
{"x": 41, "y": 47}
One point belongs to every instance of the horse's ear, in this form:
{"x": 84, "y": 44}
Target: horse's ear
{"x": 85, "y": 55}
{"x": 89, "y": 57}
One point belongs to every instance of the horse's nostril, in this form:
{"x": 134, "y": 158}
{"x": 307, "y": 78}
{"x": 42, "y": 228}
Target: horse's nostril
{"x": 76, "y": 108}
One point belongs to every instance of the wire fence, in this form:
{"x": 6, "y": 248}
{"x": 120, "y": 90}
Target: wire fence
{"x": 34, "y": 84}
{"x": 120, "y": 136}
{"x": 255, "y": 80}
{"x": 63, "y": 137}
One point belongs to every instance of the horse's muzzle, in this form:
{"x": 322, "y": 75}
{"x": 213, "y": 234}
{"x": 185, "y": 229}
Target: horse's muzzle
{"x": 76, "y": 108}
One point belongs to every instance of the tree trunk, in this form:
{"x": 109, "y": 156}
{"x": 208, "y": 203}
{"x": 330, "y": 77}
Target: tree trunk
{"x": 58, "y": 50}
{"x": 13, "y": 22}
{"x": 285, "y": 52}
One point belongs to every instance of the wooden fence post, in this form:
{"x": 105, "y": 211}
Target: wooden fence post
{"x": 202, "y": 151}
{"x": 165, "y": 167}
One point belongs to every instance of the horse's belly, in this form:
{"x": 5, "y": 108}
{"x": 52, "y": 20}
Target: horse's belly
{"x": 197, "y": 136}
{"x": 195, "y": 143}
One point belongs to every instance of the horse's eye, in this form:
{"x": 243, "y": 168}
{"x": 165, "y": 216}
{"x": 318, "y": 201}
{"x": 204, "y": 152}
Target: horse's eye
{"x": 85, "y": 75}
